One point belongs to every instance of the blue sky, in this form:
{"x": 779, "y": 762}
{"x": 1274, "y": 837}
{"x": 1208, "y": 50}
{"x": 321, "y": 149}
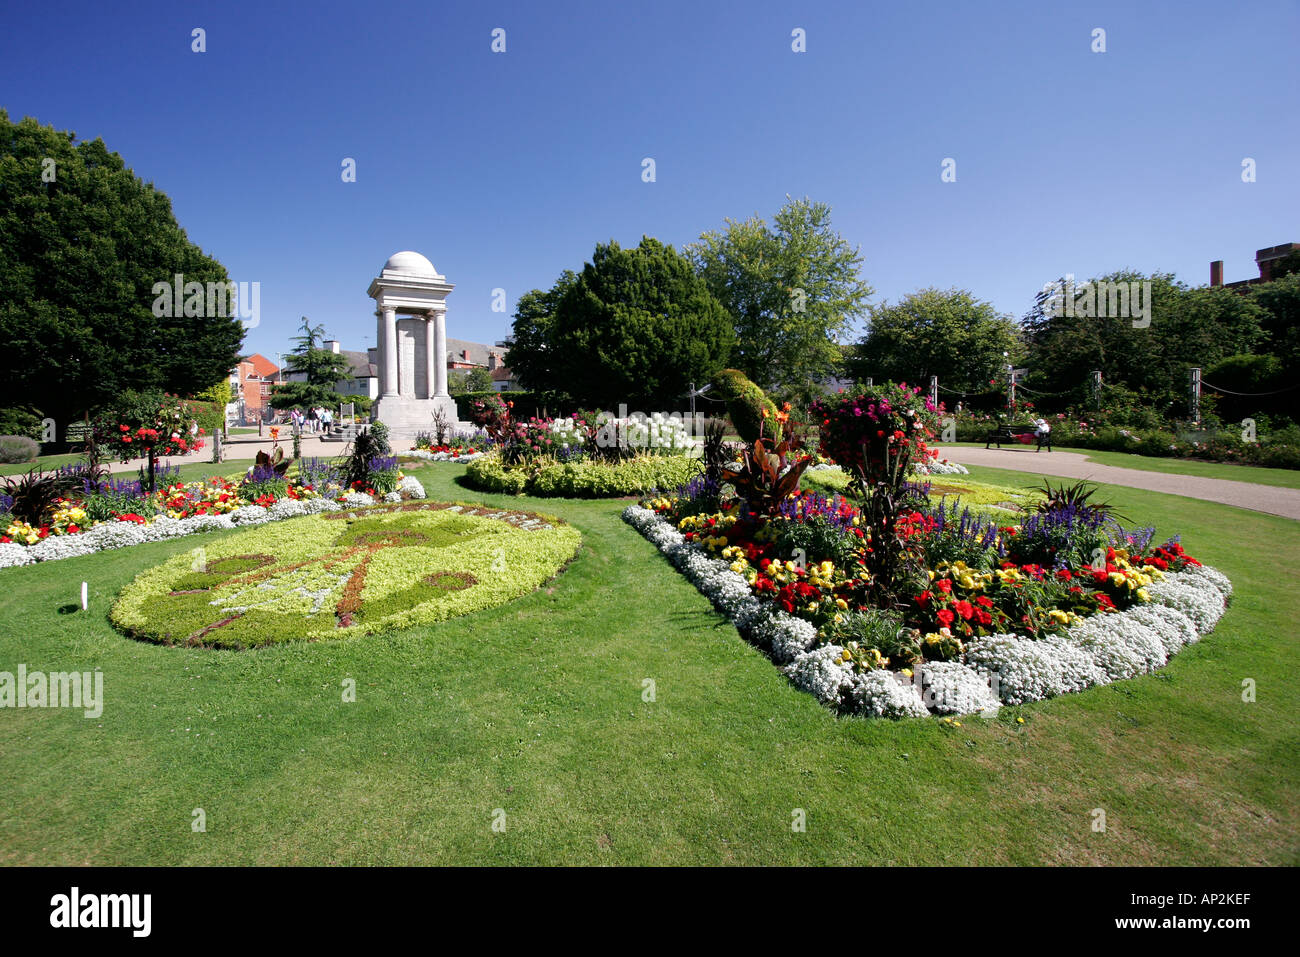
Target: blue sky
{"x": 505, "y": 169}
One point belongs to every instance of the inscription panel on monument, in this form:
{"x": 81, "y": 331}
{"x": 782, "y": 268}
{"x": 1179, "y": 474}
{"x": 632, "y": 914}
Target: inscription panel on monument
{"x": 411, "y": 374}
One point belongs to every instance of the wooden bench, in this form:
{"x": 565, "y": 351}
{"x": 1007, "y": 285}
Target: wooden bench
{"x": 1014, "y": 433}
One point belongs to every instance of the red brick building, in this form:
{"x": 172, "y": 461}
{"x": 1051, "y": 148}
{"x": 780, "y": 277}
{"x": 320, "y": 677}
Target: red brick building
{"x": 256, "y": 374}
{"x": 1264, "y": 260}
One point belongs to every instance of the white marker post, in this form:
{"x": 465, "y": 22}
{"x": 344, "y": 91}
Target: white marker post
{"x": 85, "y": 595}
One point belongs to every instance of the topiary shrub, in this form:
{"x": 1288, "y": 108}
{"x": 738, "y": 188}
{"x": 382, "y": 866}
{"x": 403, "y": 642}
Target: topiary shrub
{"x": 16, "y": 449}
{"x": 746, "y": 403}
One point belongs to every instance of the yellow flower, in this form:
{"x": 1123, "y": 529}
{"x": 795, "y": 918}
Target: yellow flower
{"x": 1020, "y": 720}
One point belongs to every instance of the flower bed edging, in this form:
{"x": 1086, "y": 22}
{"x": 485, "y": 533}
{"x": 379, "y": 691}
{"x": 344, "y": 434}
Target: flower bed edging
{"x": 428, "y": 456}
{"x": 120, "y": 534}
{"x": 995, "y": 670}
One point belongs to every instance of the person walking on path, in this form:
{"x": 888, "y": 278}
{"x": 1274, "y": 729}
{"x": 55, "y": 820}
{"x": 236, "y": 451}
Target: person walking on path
{"x": 1043, "y": 433}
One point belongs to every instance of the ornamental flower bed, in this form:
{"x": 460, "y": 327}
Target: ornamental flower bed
{"x": 352, "y": 572}
{"x": 456, "y": 447}
{"x": 582, "y": 456}
{"x": 902, "y": 606}
{"x": 964, "y": 654}
{"x": 114, "y": 513}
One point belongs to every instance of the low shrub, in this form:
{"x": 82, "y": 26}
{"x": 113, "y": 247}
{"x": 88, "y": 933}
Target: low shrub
{"x": 20, "y": 422}
{"x": 17, "y": 449}
{"x": 589, "y": 478}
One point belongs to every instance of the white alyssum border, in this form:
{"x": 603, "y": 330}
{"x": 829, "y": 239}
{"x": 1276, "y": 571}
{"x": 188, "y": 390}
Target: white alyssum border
{"x": 107, "y": 535}
{"x": 941, "y": 467}
{"x": 441, "y": 456}
{"x": 995, "y": 670}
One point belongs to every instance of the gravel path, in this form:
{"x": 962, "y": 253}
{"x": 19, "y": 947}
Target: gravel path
{"x": 1258, "y": 498}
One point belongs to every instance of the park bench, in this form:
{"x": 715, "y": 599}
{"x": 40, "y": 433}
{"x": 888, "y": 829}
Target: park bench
{"x": 1020, "y": 434}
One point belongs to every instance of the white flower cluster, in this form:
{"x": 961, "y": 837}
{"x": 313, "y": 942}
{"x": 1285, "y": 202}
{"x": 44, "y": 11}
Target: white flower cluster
{"x": 1025, "y": 669}
{"x": 1196, "y": 597}
{"x": 880, "y": 694}
{"x": 411, "y": 486}
{"x": 940, "y": 467}
{"x": 442, "y": 456}
{"x": 997, "y": 669}
{"x": 1174, "y": 629}
{"x": 566, "y": 433}
{"x": 107, "y": 535}
{"x": 949, "y": 687}
{"x": 657, "y": 431}
{"x": 1212, "y": 576}
{"x": 821, "y": 672}
{"x": 1122, "y": 645}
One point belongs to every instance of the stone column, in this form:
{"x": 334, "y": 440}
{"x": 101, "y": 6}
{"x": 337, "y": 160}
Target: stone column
{"x": 379, "y": 349}
{"x": 440, "y": 353}
{"x": 389, "y": 384}
{"x": 430, "y": 358}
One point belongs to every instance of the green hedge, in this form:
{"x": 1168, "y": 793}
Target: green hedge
{"x": 587, "y": 478}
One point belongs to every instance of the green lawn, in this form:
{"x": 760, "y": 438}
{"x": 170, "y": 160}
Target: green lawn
{"x": 536, "y": 708}
{"x": 1283, "y": 478}
{"x": 42, "y": 462}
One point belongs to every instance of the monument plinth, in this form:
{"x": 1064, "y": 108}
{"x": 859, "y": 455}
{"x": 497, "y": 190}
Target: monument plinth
{"x": 411, "y": 310}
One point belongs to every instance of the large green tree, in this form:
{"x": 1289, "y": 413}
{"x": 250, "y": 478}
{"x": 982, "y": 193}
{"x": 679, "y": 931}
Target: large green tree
{"x": 1187, "y": 327}
{"x": 794, "y": 290}
{"x": 636, "y": 326}
{"x": 941, "y": 332}
{"x": 1280, "y": 302}
{"x": 323, "y": 368}
{"x": 460, "y": 381}
{"x": 83, "y": 241}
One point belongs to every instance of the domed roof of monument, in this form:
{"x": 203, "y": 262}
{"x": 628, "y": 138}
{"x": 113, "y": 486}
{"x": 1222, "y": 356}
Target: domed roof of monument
{"x": 410, "y": 263}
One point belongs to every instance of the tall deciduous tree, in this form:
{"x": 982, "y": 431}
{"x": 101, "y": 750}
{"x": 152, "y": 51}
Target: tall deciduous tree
{"x": 83, "y": 242}
{"x": 945, "y": 333}
{"x": 635, "y": 326}
{"x": 794, "y": 290}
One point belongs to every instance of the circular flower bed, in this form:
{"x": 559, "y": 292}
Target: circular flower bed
{"x": 345, "y": 573}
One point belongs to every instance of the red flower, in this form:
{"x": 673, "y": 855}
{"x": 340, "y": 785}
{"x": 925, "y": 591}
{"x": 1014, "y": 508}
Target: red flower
{"x": 944, "y": 585}
{"x": 964, "y": 608}
{"x": 945, "y": 617}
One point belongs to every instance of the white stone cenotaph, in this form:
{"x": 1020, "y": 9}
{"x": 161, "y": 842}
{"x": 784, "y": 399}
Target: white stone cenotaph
{"x": 411, "y": 307}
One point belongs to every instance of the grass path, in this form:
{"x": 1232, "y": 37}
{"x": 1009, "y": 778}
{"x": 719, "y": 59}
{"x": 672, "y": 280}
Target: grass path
{"x": 536, "y": 708}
